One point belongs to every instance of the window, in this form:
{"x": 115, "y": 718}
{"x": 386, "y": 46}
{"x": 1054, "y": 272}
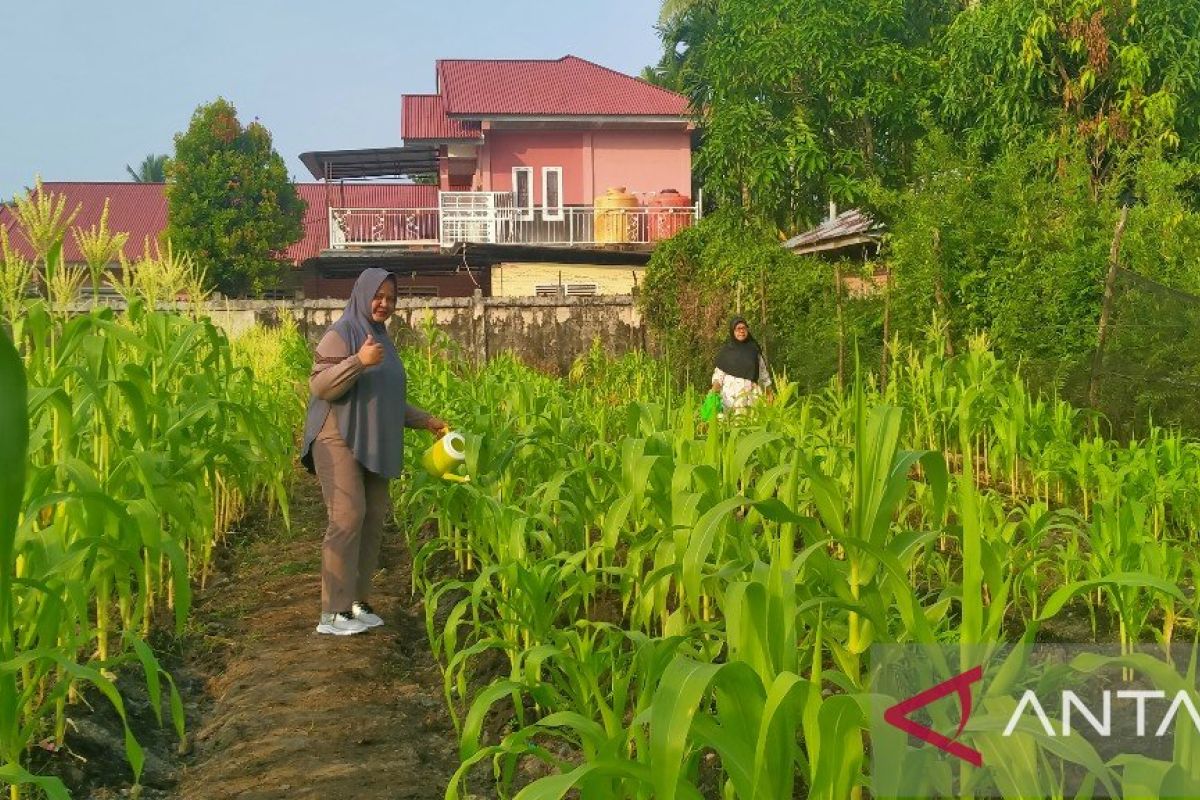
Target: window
{"x": 552, "y": 206}
{"x": 522, "y": 178}
{"x": 569, "y": 289}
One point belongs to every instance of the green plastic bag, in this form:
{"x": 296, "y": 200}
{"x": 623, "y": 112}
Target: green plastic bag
{"x": 711, "y": 407}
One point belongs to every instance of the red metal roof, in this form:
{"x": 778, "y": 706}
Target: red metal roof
{"x": 568, "y": 86}
{"x": 141, "y": 210}
{"x": 351, "y": 195}
{"x": 424, "y": 117}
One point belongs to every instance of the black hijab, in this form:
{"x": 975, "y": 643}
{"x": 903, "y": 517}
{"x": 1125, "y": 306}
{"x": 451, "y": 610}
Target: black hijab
{"x": 739, "y": 359}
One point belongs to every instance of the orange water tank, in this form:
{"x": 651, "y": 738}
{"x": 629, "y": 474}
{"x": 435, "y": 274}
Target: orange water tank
{"x": 616, "y": 216}
{"x": 670, "y": 212}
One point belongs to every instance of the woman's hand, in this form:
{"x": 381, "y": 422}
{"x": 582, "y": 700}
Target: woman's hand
{"x": 436, "y": 424}
{"x": 371, "y": 352}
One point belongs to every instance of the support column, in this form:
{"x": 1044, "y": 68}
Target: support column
{"x": 479, "y": 328}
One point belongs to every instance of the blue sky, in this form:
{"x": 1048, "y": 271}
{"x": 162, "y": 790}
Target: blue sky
{"x": 95, "y": 86}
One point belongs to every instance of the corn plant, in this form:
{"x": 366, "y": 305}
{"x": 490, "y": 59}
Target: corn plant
{"x": 142, "y": 436}
{"x": 760, "y": 557}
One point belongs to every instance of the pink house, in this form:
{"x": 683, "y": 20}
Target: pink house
{"x": 550, "y": 153}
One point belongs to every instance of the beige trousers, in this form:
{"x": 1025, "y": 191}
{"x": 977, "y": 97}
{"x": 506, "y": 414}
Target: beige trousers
{"x": 357, "y": 502}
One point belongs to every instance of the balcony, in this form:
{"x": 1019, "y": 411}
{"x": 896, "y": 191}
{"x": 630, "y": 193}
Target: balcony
{"x": 492, "y": 218}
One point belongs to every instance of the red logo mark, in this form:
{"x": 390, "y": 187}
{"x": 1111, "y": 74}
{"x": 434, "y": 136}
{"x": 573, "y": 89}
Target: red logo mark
{"x": 897, "y": 715}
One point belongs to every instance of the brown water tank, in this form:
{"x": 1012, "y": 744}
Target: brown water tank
{"x": 616, "y": 216}
{"x": 670, "y": 212}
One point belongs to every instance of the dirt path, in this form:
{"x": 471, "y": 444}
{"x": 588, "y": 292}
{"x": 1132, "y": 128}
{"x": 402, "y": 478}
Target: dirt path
{"x": 296, "y": 715}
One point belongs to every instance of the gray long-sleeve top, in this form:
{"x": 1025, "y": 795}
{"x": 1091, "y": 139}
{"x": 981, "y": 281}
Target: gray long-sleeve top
{"x": 335, "y": 369}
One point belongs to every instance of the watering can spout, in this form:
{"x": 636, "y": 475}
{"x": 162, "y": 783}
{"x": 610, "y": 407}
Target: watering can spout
{"x": 446, "y": 453}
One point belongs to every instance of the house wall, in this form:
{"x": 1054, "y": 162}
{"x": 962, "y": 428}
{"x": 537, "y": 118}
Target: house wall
{"x": 538, "y": 149}
{"x": 522, "y": 280}
{"x": 643, "y": 161}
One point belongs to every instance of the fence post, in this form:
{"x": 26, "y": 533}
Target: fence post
{"x": 1110, "y": 286}
{"x": 479, "y": 325}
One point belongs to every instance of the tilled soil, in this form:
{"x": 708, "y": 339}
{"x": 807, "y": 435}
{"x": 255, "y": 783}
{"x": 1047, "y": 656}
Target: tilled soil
{"x": 297, "y": 715}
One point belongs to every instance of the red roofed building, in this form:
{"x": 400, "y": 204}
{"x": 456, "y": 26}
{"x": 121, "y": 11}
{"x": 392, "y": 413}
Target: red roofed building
{"x": 523, "y": 126}
{"x": 534, "y": 177}
{"x": 140, "y": 209}
{"x": 549, "y": 153}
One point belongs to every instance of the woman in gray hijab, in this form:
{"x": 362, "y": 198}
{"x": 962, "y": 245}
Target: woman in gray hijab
{"x": 354, "y": 441}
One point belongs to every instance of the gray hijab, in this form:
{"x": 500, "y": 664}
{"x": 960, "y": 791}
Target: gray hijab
{"x": 371, "y": 415}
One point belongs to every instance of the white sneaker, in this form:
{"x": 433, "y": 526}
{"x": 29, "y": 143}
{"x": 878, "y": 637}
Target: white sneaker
{"x": 365, "y": 614}
{"x": 340, "y": 624}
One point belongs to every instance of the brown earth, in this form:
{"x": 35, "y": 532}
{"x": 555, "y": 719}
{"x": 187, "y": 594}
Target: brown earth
{"x": 297, "y": 715}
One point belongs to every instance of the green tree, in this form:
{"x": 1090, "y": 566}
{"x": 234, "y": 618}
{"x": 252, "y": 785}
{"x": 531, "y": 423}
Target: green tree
{"x": 153, "y": 169}
{"x": 230, "y": 201}
{"x": 684, "y": 31}
{"x": 1114, "y": 77}
{"x": 806, "y": 100}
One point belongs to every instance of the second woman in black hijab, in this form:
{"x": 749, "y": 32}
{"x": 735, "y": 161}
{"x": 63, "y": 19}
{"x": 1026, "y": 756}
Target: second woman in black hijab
{"x": 741, "y": 373}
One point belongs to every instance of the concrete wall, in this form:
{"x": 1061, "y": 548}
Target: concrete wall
{"x": 547, "y": 332}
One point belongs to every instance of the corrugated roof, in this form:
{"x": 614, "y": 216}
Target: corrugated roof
{"x": 852, "y": 224}
{"x": 424, "y": 117}
{"x": 568, "y": 86}
{"x": 409, "y": 161}
{"x": 141, "y": 210}
{"x": 351, "y": 195}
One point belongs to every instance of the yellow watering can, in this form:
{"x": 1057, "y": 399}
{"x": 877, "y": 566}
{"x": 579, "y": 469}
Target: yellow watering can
{"x": 447, "y": 452}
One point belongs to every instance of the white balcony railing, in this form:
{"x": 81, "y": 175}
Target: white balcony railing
{"x": 491, "y": 218}
{"x": 382, "y": 226}
{"x": 588, "y": 225}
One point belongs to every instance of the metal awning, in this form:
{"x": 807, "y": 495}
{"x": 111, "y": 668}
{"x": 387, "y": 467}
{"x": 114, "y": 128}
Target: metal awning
{"x": 847, "y": 229}
{"x": 378, "y": 162}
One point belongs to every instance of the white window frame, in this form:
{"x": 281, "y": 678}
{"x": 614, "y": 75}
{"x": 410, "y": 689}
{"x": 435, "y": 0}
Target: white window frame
{"x": 552, "y": 213}
{"x": 525, "y": 212}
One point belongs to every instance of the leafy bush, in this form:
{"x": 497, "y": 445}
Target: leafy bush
{"x": 732, "y": 264}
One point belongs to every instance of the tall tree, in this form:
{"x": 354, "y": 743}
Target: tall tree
{"x": 684, "y": 32}
{"x": 1113, "y": 77}
{"x": 230, "y": 201}
{"x": 807, "y": 100}
{"x": 153, "y": 169}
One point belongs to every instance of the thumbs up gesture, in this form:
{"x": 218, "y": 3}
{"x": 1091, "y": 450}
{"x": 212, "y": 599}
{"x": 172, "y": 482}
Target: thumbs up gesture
{"x": 371, "y": 352}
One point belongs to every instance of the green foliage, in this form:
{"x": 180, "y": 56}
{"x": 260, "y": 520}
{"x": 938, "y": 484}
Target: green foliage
{"x": 995, "y": 140}
{"x": 807, "y": 100}
{"x": 153, "y": 169}
{"x": 650, "y": 608}
{"x": 1018, "y": 246}
{"x": 1008, "y": 248}
{"x": 134, "y": 443}
{"x": 231, "y": 203}
{"x": 685, "y": 29}
{"x": 1112, "y": 76}
{"x": 730, "y": 264}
